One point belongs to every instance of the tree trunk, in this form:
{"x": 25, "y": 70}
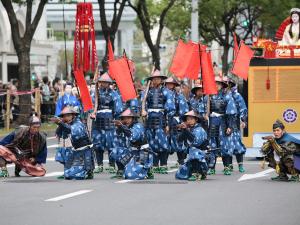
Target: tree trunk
{"x": 24, "y": 85}
{"x": 156, "y": 57}
{"x": 225, "y": 59}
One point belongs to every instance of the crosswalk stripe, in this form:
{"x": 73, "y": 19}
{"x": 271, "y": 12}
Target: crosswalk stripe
{"x": 70, "y": 195}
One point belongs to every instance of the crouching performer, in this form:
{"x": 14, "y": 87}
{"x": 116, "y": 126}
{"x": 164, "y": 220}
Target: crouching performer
{"x": 25, "y": 147}
{"x": 131, "y": 150}
{"x": 76, "y": 152}
{"x": 282, "y": 151}
{"x": 195, "y": 138}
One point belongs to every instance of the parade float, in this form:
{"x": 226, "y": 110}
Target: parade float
{"x": 274, "y": 83}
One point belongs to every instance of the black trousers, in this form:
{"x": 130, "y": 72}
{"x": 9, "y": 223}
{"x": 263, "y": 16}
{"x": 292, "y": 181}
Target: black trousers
{"x": 239, "y": 158}
{"x": 160, "y": 158}
{"x": 100, "y": 156}
{"x": 181, "y": 157}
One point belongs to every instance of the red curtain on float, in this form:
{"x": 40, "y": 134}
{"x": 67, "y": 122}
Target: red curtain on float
{"x": 122, "y": 74}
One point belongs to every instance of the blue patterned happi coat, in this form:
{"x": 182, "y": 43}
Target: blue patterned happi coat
{"x": 109, "y": 108}
{"x": 196, "y": 140}
{"x": 160, "y": 105}
{"x": 222, "y": 112}
{"x": 242, "y": 114}
{"x": 127, "y": 151}
{"x": 66, "y": 100}
{"x": 78, "y": 158}
{"x": 181, "y": 108}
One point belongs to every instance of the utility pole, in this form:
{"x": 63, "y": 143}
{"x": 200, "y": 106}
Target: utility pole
{"x": 195, "y": 21}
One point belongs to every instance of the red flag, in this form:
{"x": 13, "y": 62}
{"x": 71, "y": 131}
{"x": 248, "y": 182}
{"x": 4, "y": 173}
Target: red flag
{"x": 110, "y": 50}
{"x": 235, "y": 45}
{"x": 84, "y": 92}
{"x": 193, "y": 69}
{"x": 181, "y": 59}
{"x": 242, "y": 61}
{"x": 208, "y": 76}
{"x": 120, "y": 69}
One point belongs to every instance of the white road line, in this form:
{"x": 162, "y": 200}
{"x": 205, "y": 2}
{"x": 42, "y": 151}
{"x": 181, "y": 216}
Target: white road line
{"x": 70, "y": 195}
{"x": 52, "y": 174}
{"x": 123, "y": 181}
{"x": 173, "y": 170}
{"x": 51, "y": 138}
{"x": 255, "y": 175}
{"x": 52, "y": 146}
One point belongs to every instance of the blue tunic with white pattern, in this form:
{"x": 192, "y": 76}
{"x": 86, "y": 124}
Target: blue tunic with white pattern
{"x": 127, "y": 143}
{"x": 77, "y": 163}
{"x": 242, "y": 114}
{"x": 157, "y": 118}
{"x": 218, "y": 124}
{"x": 109, "y": 108}
{"x": 195, "y": 139}
{"x": 66, "y": 100}
{"x": 181, "y": 108}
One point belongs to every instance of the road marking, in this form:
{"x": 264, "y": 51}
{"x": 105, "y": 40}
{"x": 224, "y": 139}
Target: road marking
{"x": 173, "y": 170}
{"x": 256, "y": 175}
{"x": 123, "y": 181}
{"x": 53, "y": 174}
{"x": 52, "y": 146}
{"x": 70, "y": 195}
{"x": 51, "y": 138}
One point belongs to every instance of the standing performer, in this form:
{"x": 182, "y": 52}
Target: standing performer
{"x": 160, "y": 106}
{"x": 68, "y": 99}
{"x": 108, "y": 106}
{"x": 195, "y": 138}
{"x": 76, "y": 153}
{"x": 221, "y": 121}
{"x": 131, "y": 143}
{"x": 280, "y": 152}
{"x": 240, "y": 119}
{"x": 26, "y": 147}
{"x": 198, "y": 103}
{"x": 181, "y": 108}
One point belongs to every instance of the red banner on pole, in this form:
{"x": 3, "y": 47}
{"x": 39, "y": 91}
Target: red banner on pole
{"x": 208, "y": 76}
{"x": 122, "y": 74}
{"x": 84, "y": 92}
{"x": 242, "y": 61}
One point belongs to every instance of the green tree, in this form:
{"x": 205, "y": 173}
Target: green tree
{"x": 152, "y": 13}
{"x": 22, "y": 44}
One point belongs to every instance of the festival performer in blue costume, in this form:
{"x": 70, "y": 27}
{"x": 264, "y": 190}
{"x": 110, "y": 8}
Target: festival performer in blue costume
{"x": 181, "y": 108}
{"x": 131, "y": 150}
{"x": 195, "y": 138}
{"x": 159, "y": 107}
{"x": 76, "y": 152}
{"x": 240, "y": 121}
{"x": 68, "y": 99}
{"x": 282, "y": 151}
{"x": 221, "y": 121}
{"x": 198, "y": 103}
{"x": 108, "y": 106}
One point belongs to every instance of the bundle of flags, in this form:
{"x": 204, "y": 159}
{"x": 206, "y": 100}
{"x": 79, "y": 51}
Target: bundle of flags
{"x": 193, "y": 59}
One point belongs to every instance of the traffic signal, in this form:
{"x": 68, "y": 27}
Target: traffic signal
{"x": 245, "y": 23}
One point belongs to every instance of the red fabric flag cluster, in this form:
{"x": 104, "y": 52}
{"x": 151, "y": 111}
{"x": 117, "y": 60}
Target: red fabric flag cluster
{"x": 242, "y": 61}
{"x": 84, "y": 91}
{"x": 122, "y": 74}
{"x": 186, "y": 61}
{"x": 189, "y": 59}
{"x": 85, "y": 54}
{"x": 208, "y": 76}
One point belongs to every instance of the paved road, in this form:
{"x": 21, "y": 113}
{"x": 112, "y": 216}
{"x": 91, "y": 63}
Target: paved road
{"x": 220, "y": 200}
